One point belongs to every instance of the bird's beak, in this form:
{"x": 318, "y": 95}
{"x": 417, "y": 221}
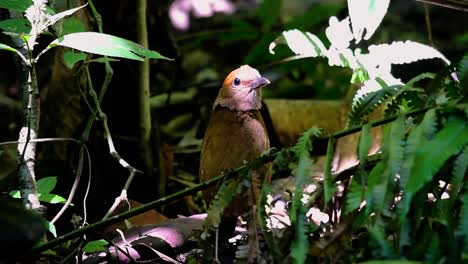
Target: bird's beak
{"x": 259, "y": 83}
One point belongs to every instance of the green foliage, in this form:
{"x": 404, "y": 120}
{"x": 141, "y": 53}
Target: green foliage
{"x": 367, "y": 103}
{"x": 226, "y": 192}
{"x": 44, "y": 187}
{"x": 106, "y": 45}
{"x": 297, "y": 211}
{"x": 268, "y": 12}
{"x": 95, "y": 246}
{"x": 16, "y": 5}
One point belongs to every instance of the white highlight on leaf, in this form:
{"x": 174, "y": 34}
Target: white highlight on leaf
{"x": 366, "y": 15}
{"x": 301, "y": 43}
{"x": 339, "y": 33}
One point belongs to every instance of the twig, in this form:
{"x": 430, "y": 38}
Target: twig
{"x": 453, "y": 4}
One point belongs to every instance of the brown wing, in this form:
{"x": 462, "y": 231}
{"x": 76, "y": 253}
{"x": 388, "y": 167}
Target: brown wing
{"x": 231, "y": 137}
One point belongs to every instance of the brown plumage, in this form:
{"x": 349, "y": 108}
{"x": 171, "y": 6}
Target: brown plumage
{"x": 236, "y": 132}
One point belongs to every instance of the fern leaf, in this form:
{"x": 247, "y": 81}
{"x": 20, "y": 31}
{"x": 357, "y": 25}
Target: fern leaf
{"x": 300, "y": 244}
{"x": 399, "y": 52}
{"x": 460, "y": 166}
{"x": 227, "y": 191}
{"x": 365, "y": 143}
{"x": 354, "y": 196}
{"x": 422, "y": 76}
{"x": 463, "y": 222}
{"x": 327, "y": 177}
{"x": 395, "y": 145}
{"x": 427, "y": 127}
{"x": 367, "y": 101}
{"x": 463, "y": 68}
{"x": 302, "y": 151}
{"x": 377, "y": 234}
{"x": 432, "y": 154}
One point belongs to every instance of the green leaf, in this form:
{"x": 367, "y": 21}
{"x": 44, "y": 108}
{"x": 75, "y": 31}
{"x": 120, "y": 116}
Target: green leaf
{"x": 366, "y": 15}
{"x": 16, "y": 25}
{"x": 16, "y": 5}
{"x": 302, "y": 151}
{"x": 268, "y": 12}
{"x": 432, "y": 154}
{"x": 52, "y": 229}
{"x": 353, "y": 196}
{"x": 6, "y": 47}
{"x": 46, "y": 185}
{"x": 424, "y": 130}
{"x": 364, "y": 104}
{"x": 95, "y": 246}
{"x": 72, "y": 25}
{"x": 51, "y": 198}
{"x": 463, "y": 222}
{"x": 365, "y": 143}
{"x": 15, "y": 194}
{"x": 71, "y": 58}
{"x": 106, "y": 45}
{"x": 328, "y": 185}
{"x": 300, "y": 244}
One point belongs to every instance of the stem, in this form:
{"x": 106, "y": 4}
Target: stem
{"x": 144, "y": 91}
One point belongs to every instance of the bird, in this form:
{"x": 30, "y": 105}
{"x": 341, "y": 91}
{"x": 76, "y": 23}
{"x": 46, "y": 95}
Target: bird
{"x": 235, "y": 134}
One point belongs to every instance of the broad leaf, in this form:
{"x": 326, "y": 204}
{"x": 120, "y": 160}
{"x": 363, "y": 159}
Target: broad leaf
{"x": 46, "y": 185}
{"x": 106, "y": 45}
{"x": 51, "y": 198}
{"x": 15, "y": 5}
{"x": 6, "y": 47}
{"x": 16, "y": 25}
{"x": 71, "y": 58}
{"x": 366, "y": 15}
{"x": 95, "y": 246}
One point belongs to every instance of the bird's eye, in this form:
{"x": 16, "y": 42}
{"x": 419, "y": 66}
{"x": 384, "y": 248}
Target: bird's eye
{"x": 237, "y": 81}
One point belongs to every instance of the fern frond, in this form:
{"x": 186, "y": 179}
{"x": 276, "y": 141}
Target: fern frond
{"x": 302, "y": 151}
{"x": 365, "y": 143}
{"x": 427, "y": 127}
{"x": 463, "y": 223}
{"x": 227, "y": 191}
{"x": 364, "y": 103}
{"x": 327, "y": 177}
{"x": 463, "y": 68}
{"x": 395, "y": 146}
{"x": 432, "y": 154}
{"x": 354, "y": 196}
{"x": 300, "y": 245}
{"x": 460, "y": 166}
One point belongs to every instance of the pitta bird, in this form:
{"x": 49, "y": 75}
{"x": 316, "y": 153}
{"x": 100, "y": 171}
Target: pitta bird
{"x": 235, "y": 134}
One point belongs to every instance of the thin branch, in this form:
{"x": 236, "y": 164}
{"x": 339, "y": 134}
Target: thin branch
{"x": 257, "y": 163}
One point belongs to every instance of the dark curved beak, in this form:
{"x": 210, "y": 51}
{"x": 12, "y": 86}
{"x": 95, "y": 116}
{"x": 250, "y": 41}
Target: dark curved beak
{"x": 259, "y": 83}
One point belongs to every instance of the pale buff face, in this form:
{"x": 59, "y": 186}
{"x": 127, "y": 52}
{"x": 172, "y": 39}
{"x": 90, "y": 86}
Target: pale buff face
{"x": 241, "y": 90}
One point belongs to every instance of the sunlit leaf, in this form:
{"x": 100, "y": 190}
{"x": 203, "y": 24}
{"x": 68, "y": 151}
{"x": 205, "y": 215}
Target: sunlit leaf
{"x": 52, "y": 229}
{"x": 6, "y": 47}
{"x": 366, "y": 15}
{"x": 106, "y": 45}
{"x": 51, "y": 198}
{"x": 301, "y": 43}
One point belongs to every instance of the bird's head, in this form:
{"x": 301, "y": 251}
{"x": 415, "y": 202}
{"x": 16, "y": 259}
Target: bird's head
{"x": 241, "y": 90}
